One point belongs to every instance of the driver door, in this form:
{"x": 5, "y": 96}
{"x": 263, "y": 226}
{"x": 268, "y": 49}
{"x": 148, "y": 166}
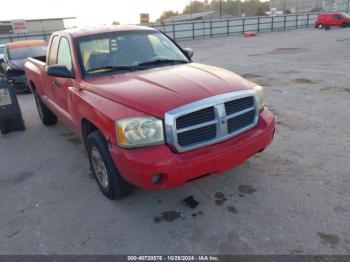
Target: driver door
{"x": 60, "y": 86}
{"x": 52, "y": 59}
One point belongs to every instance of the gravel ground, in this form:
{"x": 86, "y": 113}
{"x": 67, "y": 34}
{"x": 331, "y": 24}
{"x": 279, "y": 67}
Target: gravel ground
{"x": 291, "y": 199}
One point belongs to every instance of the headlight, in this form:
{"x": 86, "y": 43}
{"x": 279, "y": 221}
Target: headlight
{"x": 139, "y": 131}
{"x": 260, "y": 96}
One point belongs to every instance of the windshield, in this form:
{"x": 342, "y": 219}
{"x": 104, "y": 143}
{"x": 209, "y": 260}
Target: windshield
{"x": 2, "y": 49}
{"x": 28, "y": 51}
{"x": 345, "y": 15}
{"x": 128, "y": 50}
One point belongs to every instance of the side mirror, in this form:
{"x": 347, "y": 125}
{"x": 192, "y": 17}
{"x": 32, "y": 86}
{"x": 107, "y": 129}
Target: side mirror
{"x": 59, "y": 71}
{"x": 188, "y": 52}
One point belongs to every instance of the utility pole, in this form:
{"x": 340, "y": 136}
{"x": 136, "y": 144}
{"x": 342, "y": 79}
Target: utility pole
{"x": 332, "y": 6}
{"x": 191, "y": 9}
{"x": 297, "y": 8}
{"x": 220, "y": 9}
{"x": 239, "y": 7}
{"x": 284, "y": 6}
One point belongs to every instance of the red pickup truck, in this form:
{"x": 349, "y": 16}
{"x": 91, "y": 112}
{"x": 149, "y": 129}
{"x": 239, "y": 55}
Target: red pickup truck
{"x": 147, "y": 115}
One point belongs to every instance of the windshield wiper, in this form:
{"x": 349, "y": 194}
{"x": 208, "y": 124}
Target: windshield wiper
{"x": 163, "y": 61}
{"x": 136, "y": 67}
{"x": 113, "y": 68}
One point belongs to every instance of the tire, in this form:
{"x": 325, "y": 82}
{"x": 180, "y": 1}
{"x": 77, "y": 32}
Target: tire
{"x": 108, "y": 178}
{"x": 344, "y": 25}
{"x": 46, "y": 116}
{"x": 320, "y": 26}
{"x": 5, "y": 131}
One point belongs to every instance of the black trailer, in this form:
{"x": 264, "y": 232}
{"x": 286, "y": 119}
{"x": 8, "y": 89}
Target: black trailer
{"x": 10, "y": 113}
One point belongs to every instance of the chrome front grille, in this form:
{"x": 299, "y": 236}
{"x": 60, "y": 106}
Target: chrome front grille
{"x": 238, "y": 105}
{"x": 237, "y": 123}
{"x": 210, "y": 120}
{"x": 197, "y": 135}
{"x": 195, "y": 118}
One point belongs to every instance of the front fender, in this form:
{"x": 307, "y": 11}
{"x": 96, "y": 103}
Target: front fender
{"x": 101, "y": 112}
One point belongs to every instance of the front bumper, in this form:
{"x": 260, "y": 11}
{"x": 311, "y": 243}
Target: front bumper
{"x": 19, "y": 82}
{"x": 139, "y": 165}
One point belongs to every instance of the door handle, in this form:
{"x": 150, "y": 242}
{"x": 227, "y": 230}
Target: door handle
{"x": 55, "y": 83}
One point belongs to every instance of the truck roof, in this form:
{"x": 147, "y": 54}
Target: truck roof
{"x": 19, "y": 44}
{"x": 79, "y": 32}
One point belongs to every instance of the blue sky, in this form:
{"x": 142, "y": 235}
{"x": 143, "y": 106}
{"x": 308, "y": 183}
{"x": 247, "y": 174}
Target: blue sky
{"x": 89, "y": 12}
{"x": 96, "y": 12}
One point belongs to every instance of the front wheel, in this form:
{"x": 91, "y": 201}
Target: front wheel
{"x": 344, "y": 25}
{"x": 4, "y": 131}
{"x": 320, "y": 26}
{"x": 46, "y": 116}
{"x": 108, "y": 178}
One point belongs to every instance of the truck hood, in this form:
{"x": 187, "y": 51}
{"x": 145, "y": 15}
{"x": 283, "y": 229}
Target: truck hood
{"x": 158, "y": 90}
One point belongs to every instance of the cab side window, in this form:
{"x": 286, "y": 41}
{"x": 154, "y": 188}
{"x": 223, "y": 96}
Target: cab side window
{"x": 64, "y": 55}
{"x": 53, "y": 51}
{"x": 339, "y": 17}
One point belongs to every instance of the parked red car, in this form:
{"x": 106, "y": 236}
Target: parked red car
{"x": 332, "y": 19}
{"x": 147, "y": 115}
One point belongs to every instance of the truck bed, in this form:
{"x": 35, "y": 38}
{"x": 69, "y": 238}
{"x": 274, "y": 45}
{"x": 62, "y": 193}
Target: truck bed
{"x": 35, "y": 70}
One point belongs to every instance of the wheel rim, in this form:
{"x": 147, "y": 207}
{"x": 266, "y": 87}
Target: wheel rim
{"x": 99, "y": 167}
{"x": 320, "y": 26}
{"x": 40, "y": 110}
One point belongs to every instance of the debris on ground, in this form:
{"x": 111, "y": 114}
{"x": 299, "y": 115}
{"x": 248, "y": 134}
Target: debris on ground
{"x": 303, "y": 81}
{"x": 190, "y": 202}
{"x": 197, "y": 214}
{"x": 12, "y": 234}
{"x": 330, "y": 239}
{"x": 168, "y": 216}
{"x": 220, "y": 198}
{"x": 232, "y": 209}
{"x": 249, "y": 34}
{"x": 246, "y": 189}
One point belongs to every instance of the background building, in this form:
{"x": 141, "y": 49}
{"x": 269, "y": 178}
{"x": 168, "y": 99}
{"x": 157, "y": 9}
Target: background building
{"x": 32, "y": 29}
{"x": 308, "y": 5}
{"x": 209, "y": 15}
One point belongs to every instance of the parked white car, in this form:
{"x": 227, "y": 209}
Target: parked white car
{"x": 274, "y": 12}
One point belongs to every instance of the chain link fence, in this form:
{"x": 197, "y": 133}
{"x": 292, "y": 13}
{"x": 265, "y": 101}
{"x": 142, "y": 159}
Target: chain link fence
{"x": 204, "y": 29}
{"x": 207, "y": 28}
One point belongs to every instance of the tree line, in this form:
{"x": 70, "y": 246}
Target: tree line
{"x": 230, "y": 7}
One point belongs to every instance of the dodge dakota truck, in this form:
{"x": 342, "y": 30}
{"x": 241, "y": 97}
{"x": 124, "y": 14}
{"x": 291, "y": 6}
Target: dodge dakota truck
{"x": 147, "y": 114}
